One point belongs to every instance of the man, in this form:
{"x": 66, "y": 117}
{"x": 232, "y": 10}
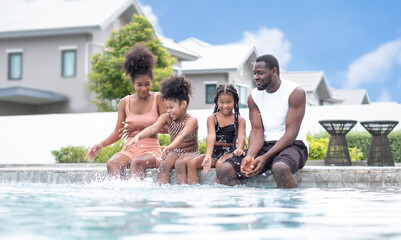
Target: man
{"x": 276, "y": 110}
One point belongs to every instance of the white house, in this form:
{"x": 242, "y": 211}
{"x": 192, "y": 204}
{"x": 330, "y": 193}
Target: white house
{"x": 218, "y": 64}
{"x": 352, "y": 96}
{"x": 46, "y": 47}
{"x": 319, "y": 92}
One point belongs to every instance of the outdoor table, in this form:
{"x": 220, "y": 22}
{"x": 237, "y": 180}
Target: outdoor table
{"x": 380, "y": 152}
{"x": 337, "y": 151}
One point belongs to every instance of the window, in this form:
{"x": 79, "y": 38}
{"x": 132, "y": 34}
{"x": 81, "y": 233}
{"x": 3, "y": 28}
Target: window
{"x": 15, "y": 66}
{"x": 69, "y": 63}
{"x": 243, "y": 96}
{"x": 210, "y": 91}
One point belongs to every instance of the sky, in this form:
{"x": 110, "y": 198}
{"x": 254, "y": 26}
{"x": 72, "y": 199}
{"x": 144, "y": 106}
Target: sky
{"x": 356, "y": 43}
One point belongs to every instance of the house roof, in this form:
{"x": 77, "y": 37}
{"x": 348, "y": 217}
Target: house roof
{"x": 30, "y": 96}
{"x": 308, "y": 80}
{"x": 313, "y": 81}
{"x": 352, "y": 96}
{"x": 177, "y": 50}
{"x": 219, "y": 58}
{"x": 39, "y": 17}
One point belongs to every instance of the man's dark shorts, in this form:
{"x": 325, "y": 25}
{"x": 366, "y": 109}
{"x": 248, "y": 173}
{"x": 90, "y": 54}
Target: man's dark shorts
{"x": 294, "y": 156}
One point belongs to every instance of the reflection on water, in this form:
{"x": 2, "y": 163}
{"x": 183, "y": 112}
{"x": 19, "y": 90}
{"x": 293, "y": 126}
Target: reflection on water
{"x": 144, "y": 210}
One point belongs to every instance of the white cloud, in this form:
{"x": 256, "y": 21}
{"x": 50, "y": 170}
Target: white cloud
{"x": 385, "y": 96}
{"x": 270, "y": 41}
{"x": 372, "y": 66}
{"x": 151, "y": 17}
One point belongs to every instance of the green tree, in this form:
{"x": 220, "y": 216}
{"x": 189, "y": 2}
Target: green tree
{"x": 107, "y": 80}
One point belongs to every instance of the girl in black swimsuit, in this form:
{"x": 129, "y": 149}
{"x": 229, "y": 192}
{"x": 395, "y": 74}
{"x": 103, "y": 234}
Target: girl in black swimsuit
{"x": 226, "y": 133}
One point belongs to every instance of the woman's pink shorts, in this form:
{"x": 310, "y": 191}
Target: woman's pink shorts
{"x": 146, "y": 145}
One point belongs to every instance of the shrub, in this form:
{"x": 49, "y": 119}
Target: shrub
{"x": 360, "y": 140}
{"x": 395, "y": 144}
{"x": 355, "y": 154}
{"x": 71, "y": 154}
{"x": 77, "y": 154}
{"x": 358, "y": 143}
{"x": 164, "y": 139}
{"x": 202, "y": 146}
{"x": 317, "y": 147}
{"x": 107, "y": 152}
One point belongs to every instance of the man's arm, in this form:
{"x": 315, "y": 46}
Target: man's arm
{"x": 295, "y": 115}
{"x": 256, "y": 137}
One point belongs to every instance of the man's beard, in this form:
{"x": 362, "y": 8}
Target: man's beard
{"x": 265, "y": 84}
{"x": 262, "y": 88}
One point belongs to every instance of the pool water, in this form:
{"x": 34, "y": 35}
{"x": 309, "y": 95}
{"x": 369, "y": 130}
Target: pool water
{"x": 144, "y": 210}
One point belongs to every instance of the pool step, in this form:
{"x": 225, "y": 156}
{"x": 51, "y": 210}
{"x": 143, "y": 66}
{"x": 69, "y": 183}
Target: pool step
{"x": 309, "y": 176}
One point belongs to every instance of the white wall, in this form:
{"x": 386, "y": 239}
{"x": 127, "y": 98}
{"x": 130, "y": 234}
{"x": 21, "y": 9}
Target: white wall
{"x": 29, "y": 139}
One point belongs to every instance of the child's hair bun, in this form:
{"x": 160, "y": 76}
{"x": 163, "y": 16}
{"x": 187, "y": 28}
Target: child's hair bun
{"x": 176, "y": 87}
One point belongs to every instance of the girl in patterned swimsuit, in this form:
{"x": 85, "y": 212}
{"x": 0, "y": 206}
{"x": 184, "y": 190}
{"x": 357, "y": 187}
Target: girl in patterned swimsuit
{"x": 182, "y": 128}
{"x": 226, "y": 130}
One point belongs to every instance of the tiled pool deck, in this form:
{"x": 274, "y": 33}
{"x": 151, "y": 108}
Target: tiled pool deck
{"x": 309, "y": 176}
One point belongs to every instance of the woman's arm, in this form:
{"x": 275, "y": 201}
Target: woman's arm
{"x": 114, "y": 136}
{"x": 161, "y": 109}
{"x": 149, "y": 131}
{"x": 131, "y": 126}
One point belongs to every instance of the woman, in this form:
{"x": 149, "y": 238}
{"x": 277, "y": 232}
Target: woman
{"x": 135, "y": 112}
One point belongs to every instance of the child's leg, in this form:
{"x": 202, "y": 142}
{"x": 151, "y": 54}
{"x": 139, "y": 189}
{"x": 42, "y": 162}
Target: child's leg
{"x": 193, "y": 165}
{"x": 220, "y": 161}
{"x": 140, "y": 163}
{"x": 180, "y": 167}
{"x": 163, "y": 176}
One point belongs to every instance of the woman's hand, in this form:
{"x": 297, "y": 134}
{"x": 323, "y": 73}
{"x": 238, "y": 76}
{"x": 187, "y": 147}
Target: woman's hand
{"x": 127, "y": 130}
{"x": 207, "y": 164}
{"x": 93, "y": 152}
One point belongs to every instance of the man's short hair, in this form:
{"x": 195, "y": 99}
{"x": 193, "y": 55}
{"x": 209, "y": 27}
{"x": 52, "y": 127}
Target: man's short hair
{"x": 270, "y": 62}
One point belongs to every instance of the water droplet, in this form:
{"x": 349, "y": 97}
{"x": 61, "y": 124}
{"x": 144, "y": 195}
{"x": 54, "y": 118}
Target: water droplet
{"x": 159, "y": 158}
{"x": 141, "y": 145}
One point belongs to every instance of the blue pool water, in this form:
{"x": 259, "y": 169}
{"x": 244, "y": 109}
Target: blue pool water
{"x": 132, "y": 210}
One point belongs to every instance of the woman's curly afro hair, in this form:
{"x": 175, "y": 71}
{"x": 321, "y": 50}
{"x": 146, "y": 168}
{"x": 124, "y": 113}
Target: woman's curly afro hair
{"x": 138, "y": 61}
{"x": 176, "y": 87}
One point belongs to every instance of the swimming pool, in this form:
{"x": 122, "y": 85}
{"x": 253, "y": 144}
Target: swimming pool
{"x": 144, "y": 210}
